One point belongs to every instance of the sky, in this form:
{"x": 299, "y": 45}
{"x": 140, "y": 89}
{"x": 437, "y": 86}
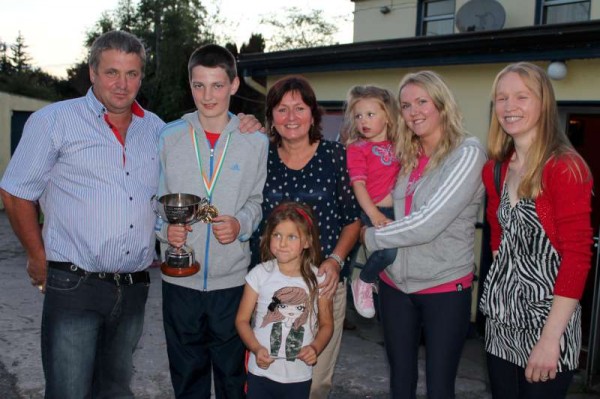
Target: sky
{"x": 54, "y": 30}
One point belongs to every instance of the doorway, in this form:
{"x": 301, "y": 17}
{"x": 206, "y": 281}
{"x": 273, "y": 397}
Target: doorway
{"x": 583, "y": 130}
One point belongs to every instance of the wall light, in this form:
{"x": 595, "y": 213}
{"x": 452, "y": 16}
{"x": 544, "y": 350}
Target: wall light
{"x": 557, "y": 70}
{"x": 385, "y": 10}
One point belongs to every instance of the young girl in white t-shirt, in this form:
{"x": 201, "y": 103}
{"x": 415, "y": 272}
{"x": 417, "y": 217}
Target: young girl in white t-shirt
{"x": 282, "y": 320}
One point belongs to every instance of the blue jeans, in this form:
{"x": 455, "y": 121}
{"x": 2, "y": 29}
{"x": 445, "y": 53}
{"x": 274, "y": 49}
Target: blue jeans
{"x": 381, "y": 259}
{"x": 90, "y": 329}
{"x": 444, "y": 320}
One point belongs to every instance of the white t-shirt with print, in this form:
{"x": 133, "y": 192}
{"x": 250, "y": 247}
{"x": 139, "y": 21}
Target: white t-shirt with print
{"x": 266, "y": 279}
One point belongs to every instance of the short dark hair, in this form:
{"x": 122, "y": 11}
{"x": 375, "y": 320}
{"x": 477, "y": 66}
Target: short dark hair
{"x": 211, "y": 56}
{"x": 295, "y": 84}
{"x": 116, "y": 40}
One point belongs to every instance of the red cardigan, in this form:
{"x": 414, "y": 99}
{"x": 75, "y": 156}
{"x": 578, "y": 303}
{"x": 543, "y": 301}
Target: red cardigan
{"x": 564, "y": 209}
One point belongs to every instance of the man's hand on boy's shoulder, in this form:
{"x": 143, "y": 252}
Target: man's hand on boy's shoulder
{"x": 225, "y": 228}
{"x": 249, "y": 123}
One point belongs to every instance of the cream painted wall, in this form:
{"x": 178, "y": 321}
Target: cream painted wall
{"x": 400, "y": 22}
{"x": 471, "y": 84}
{"x": 371, "y": 24}
{"x": 519, "y": 13}
{"x": 8, "y": 104}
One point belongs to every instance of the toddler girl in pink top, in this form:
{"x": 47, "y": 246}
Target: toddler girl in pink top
{"x": 372, "y": 126}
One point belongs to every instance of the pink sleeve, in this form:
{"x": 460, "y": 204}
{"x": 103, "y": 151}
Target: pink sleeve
{"x": 569, "y": 188}
{"x": 356, "y": 162}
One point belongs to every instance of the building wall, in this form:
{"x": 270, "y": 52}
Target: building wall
{"x": 371, "y": 24}
{"x": 471, "y": 84}
{"x": 401, "y": 21}
{"x": 8, "y": 104}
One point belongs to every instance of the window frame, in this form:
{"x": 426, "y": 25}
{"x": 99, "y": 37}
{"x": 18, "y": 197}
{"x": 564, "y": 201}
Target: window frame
{"x": 541, "y": 6}
{"x": 423, "y": 19}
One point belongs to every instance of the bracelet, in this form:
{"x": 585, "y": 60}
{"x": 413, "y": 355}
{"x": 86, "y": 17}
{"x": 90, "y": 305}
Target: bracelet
{"x": 336, "y": 258}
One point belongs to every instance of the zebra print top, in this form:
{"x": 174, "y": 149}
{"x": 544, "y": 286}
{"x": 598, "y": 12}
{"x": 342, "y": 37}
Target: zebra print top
{"x": 518, "y": 291}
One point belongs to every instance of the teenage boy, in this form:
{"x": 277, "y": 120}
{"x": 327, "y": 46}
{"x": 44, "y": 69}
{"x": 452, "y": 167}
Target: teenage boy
{"x": 203, "y": 153}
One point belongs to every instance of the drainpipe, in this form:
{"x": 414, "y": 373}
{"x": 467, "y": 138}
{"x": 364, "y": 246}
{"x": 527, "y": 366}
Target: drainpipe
{"x": 255, "y": 85}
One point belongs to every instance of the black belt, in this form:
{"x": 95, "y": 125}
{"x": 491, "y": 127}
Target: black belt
{"x": 116, "y": 278}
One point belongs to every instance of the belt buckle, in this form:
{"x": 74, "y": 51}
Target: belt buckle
{"x": 129, "y": 278}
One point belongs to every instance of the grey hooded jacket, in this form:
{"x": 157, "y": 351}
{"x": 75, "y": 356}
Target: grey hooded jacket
{"x": 435, "y": 241}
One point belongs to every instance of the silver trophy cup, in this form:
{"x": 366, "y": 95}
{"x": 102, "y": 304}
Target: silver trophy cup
{"x": 182, "y": 209}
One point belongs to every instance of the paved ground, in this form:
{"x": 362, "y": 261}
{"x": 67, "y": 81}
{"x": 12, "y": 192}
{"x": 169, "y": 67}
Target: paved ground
{"x": 361, "y": 371}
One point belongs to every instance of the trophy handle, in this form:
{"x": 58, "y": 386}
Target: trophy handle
{"x": 154, "y": 205}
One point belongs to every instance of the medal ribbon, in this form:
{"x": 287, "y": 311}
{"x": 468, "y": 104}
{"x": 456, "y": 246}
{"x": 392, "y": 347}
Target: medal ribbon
{"x": 209, "y": 183}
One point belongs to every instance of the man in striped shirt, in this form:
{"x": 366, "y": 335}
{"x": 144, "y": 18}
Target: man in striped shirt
{"x": 92, "y": 165}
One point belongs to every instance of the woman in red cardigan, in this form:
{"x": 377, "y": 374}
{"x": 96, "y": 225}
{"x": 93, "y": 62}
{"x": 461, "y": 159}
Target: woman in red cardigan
{"x": 541, "y": 240}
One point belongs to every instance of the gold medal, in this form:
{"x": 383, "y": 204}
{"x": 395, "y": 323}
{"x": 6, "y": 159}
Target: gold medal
{"x": 208, "y": 213}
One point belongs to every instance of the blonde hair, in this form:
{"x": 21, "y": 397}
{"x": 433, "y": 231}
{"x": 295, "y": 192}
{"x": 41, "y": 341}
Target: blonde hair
{"x": 386, "y": 101}
{"x": 550, "y": 140}
{"x": 408, "y": 148}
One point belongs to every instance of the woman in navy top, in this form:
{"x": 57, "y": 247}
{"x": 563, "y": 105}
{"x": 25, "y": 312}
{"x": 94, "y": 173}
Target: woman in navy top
{"x": 304, "y": 167}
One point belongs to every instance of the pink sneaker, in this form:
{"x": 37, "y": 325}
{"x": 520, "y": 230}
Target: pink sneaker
{"x": 363, "y": 298}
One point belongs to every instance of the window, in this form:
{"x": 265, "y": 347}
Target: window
{"x": 436, "y": 17}
{"x": 560, "y": 11}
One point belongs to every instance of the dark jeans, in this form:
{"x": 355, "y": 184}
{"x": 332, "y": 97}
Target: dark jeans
{"x": 381, "y": 259}
{"x": 264, "y": 388}
{"x": 90, "y": 329}
{"x": 507, "y": 381}
{"x": 444, "y": 319}
{"x": 202, "y": 339}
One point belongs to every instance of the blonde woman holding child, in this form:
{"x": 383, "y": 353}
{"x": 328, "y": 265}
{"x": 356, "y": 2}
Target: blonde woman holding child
{"x": 282, "y": 320}
{"x": 436, "y": 204}
{"x": 372, "y": 126}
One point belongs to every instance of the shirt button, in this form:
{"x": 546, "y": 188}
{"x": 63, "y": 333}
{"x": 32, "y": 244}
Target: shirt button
{"x": 127, "y": 253}
{"x": 131, "y": 226}
{"x": 127, "y": 173}
{"x": 130, "y": 198}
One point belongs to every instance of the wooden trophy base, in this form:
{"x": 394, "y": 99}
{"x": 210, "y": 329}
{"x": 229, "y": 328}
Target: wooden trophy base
{"x": 180, "y": 271}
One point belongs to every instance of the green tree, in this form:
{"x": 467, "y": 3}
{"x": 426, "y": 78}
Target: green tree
{"x": 19, "y": 58}
{"x": 6, "y": 67}
{"x": 125, "y": 15}
{"x": 172, "y": 30}
{"x": 297, "y": 29}
{"x": 20, "y": 77}
{"x": 256, "y": 44}
{"x": 105, "y": 23}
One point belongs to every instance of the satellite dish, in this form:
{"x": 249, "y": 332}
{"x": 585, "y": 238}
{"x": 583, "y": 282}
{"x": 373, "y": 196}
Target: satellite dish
{"x": 478, "y": 15}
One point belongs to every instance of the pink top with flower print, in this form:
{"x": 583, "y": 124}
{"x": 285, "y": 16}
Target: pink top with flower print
{"x": 375, "y": 164}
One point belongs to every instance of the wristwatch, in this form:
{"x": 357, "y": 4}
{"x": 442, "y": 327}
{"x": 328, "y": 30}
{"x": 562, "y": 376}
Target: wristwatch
{"x": 336, "y": 258}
